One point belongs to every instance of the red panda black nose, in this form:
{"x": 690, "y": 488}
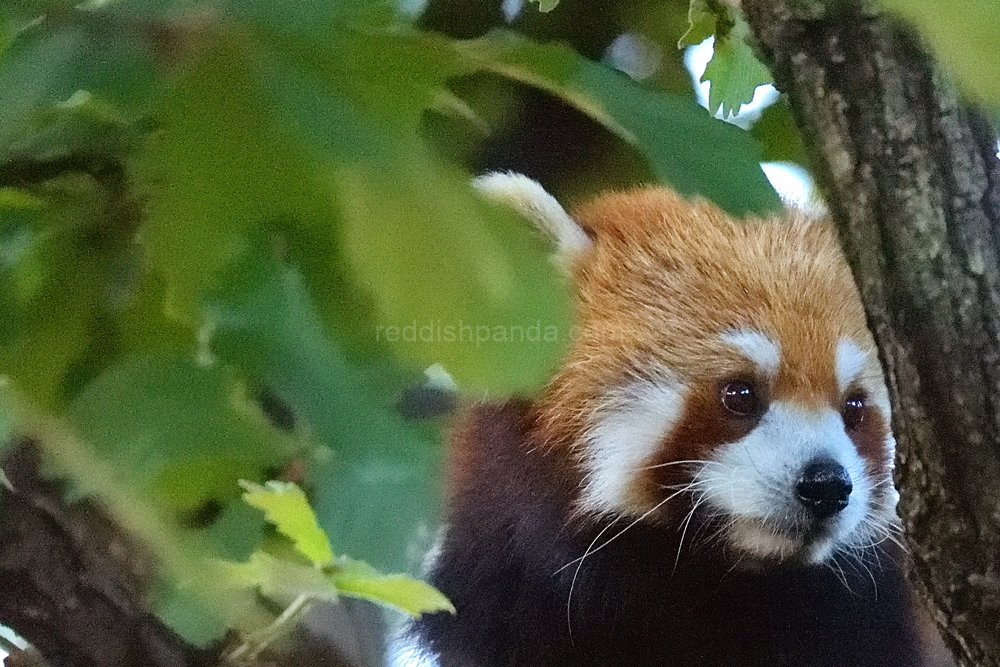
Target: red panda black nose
{"x": 824, "y": 488}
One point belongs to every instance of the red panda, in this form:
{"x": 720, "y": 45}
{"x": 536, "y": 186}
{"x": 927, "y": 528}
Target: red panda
{"x": 707, "y": 479}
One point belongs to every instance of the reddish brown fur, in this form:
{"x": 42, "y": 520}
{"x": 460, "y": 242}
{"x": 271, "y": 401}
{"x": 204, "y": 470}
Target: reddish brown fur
{"x": 665, "y": 277}
{"x": 869, "y": 439}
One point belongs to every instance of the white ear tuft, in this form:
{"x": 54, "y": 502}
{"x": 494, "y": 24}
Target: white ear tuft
{"x": 531, "y": 200}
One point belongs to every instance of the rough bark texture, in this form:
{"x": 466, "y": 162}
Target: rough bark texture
{"x": 76, "y": 586}
{"x": 73, "y": 584}
{"x": 912, "y": 178}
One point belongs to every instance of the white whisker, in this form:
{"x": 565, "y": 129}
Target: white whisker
{"x": 590, "y": 551}
{"x": 674, "y": 463}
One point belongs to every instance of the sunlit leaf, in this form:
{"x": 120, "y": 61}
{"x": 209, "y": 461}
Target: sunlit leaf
{"x": 285, "y": 580}
{"x": 411, "y": 596}
{"x": 546, "y": 6}
{"x": 277, "y": 578}
{"x": 285, "y": 505}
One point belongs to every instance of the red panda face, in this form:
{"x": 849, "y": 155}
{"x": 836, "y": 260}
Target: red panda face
{"x": 723, "y": 374}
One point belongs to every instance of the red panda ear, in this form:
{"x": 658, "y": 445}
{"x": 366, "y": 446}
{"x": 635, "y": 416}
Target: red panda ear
{"x": 530, "y": 199}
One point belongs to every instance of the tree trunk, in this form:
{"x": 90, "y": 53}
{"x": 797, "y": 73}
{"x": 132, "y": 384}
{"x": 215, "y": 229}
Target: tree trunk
{"x": 913, "y": 181}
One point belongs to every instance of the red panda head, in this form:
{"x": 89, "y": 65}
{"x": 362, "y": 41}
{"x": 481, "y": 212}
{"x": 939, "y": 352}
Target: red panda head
{"x": 721, "y": 367}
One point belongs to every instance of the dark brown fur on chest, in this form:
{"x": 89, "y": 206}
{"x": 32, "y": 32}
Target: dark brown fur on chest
{"x": 508, "y": 563}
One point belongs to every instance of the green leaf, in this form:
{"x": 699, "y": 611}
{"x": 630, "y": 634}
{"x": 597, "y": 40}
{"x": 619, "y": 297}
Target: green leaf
{"x": 702, "y": 19}
{"x": 284, "y": 581}
{"x": 6, "y": 435}
{"x": 46, "y": 320}
{"x": 412, "y": 232}
{"x": 285, "y": 505}
{"x": 5, "y": 426}
{"x": 51, "y": 61}
{"x": 277, "y": 578}
{"x": 6, "y": 37}
{"x": 235, "y": 156}
{"x": 546, "y": 6}
{"x": 220, "y": 169}
{"x": 187, "y": 432}
{"x": 315, "y": 19}
{"x": 460, "y": 283}
{"x": 453, "y": 281}
{"x": 964, "y": 34}
{"x": 685, "y": 148}
{"x": 187, "y": 614}
{"x": 15, "y": 198}
{"x": 778, "y": 135}
{"x": 266, "y": 321}
{"x": 83, "y": 125}
{"x": 734, "y": 71}
{"x": 411, "y": 596}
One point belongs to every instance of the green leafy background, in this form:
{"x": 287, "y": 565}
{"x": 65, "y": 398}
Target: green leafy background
{"x": 214, "y": 214}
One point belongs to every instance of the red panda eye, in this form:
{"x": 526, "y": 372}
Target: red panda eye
{"x": 739, "y": 397}
{"x": 854, "y": 411}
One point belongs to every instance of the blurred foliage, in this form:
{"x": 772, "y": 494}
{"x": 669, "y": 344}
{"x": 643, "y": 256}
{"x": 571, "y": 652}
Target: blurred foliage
{"x": 234, "y": 233}
{"x": 964, "y": 34}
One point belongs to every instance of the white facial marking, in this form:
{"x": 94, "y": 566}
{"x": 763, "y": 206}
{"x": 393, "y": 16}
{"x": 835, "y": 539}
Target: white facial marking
{"x": 850, "y": 362}
{"x": 758, "y": 347}
{"x": 626, "y": 432}
{"x": 752, "y": 482}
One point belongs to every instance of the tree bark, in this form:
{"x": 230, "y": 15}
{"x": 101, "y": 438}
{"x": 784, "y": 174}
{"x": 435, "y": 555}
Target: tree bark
{"x": 913, "y": 181}
{"x": 73, "y": 583}
{"x": 76, "y": 586}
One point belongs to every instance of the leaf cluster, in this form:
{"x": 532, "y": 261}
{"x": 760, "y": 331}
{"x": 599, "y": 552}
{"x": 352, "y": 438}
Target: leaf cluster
{"x": 228, "y": 248}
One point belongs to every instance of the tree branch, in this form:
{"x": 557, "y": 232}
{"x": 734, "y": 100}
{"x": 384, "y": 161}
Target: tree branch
{"x": 912, "y": 179}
